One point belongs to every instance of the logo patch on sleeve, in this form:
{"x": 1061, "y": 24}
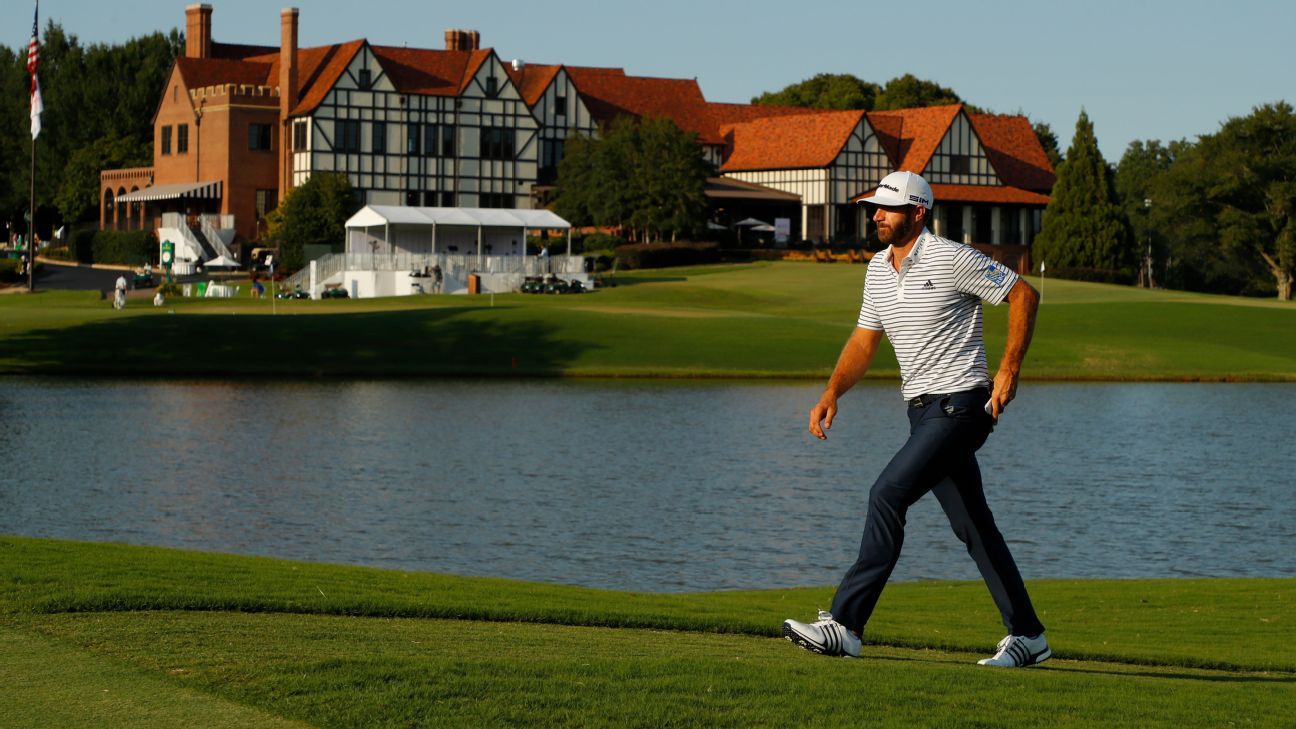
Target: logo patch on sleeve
{"x": 996, "y": 274}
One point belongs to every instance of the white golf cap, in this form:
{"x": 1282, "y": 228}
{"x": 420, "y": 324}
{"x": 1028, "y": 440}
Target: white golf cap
{"x": 901, "y": 188}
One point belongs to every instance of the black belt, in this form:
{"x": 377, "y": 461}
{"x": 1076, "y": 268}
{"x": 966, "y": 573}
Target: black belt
{"x": 923, "y": 401}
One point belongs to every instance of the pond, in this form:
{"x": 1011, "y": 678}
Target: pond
{"x": 648, "y": 486}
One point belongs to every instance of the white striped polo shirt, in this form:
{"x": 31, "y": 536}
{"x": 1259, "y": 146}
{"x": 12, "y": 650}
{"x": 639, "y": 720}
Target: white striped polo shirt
{"x": 931, "y": 312}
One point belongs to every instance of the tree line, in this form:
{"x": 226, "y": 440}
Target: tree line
{"x": 1216, "y": 215}
{"x": 1213, "y": 215}
{"x": 99, "y": 102}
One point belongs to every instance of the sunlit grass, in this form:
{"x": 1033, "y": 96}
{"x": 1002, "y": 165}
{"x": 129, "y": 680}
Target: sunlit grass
{"x": 757, "y": 320}
{"x": 158, "y": 637}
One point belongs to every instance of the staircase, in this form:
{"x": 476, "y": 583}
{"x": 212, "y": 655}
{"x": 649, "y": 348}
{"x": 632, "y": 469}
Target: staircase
{"x": 197, "y": 243}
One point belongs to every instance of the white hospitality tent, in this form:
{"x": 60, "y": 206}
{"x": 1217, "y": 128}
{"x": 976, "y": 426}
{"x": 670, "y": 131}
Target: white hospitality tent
{"x": 395, "y": 229}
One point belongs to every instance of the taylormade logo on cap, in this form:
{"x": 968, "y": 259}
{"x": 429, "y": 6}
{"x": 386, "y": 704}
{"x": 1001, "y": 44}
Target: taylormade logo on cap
{"x": 901, "y": 188}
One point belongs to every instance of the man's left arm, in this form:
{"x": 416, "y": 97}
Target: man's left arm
{"x": 1023, "y": 302}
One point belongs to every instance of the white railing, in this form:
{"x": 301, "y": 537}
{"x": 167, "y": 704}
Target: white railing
{"x": 209, "y": 223}
{"x": 454, "y": 266}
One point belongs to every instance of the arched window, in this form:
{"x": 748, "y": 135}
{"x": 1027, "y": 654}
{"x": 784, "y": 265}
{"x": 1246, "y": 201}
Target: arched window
{"x": 109, "y": 210}
{"x": 121, "y": 209}
{"x": 135, "y": 207}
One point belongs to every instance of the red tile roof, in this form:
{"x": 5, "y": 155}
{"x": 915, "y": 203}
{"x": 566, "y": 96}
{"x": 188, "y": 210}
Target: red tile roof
{"x": 609, "y": 93}
{"x": 920, "y": 132}
{"x": 987, "y": 194}
{"x": 979, "y": 194}
{"x": 759, "y": 137}
{"x": 1015, "y": 151}
{"x": 411, "y": 70}
{"x": 434, "y": 73}
{"x": 809, "y": 139}
{"x": 200, "y": 72}
{"x": 532, "y": 80}
{"x": 318, "y": 69}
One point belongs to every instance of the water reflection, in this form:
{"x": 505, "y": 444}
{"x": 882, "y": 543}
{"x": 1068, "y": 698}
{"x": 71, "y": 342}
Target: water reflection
{"x": 641, "y": 485}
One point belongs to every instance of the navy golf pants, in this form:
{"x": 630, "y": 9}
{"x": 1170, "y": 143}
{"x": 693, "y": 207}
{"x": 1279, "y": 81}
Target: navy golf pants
{"x": 939, "y": 456}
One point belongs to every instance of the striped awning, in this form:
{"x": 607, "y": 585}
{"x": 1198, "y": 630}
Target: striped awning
{"x": 202, "y": 190}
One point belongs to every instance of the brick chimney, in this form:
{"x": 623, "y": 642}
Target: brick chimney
{"x": 287, "y": 61}
{"x": 462, "y": 40}
{"x": 198, "y": 31}
{"x": 287, "y": 93}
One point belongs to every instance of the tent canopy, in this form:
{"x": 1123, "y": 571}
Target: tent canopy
{"x": 221, "y": 262}
{"x": 378, "y": 215}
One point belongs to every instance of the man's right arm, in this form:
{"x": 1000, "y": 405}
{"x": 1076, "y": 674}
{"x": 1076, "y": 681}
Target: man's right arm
{"x": 854, "y": 361}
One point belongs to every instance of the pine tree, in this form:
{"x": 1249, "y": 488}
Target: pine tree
{"x": 1084, "y": 233}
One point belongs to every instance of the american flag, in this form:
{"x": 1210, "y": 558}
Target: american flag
{"x": 33, "y": 60}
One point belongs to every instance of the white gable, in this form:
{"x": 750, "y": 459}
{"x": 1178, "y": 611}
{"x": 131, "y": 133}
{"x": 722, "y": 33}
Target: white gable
{"x": 960, "y": 159}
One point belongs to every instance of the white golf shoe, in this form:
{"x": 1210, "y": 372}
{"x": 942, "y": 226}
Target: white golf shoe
{"x": 1019, "y": 651}
{"x": 825, "y": 636}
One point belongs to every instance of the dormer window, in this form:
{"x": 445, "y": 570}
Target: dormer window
{"x": 366, "y": 79}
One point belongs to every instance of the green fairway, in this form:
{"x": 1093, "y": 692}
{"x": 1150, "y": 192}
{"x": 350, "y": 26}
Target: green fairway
{"x": 99, "y": 634}
{"x": 757, "y": 320}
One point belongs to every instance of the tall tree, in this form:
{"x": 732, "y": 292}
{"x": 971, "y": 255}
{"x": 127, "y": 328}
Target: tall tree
{"x": 314, "y": 213}
{"x": 646, "y": 176}
{"x": 77, "y": 198}
{"x": 910, "y": 92}
{"x": 1250, "y": 164}
{"x": 1049, "y": 141}
{"x": 1083, "y": 227}
{"x": 1136, "y": 174}
{"x": 825, "y": 91}
{"x": 90, "y": 93}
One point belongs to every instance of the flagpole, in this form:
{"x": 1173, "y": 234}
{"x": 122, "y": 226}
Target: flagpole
{"x": 31, "y": 226}
{"x": 33, "y": 59}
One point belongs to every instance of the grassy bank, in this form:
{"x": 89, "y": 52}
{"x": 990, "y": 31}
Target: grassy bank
{"x": 93, "y": 633}
{"x": 764, "y": 320}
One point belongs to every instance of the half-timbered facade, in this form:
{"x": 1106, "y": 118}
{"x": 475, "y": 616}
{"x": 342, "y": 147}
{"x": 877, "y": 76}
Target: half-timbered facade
{"x": 557, "y": 106}
{"x": 837, "y": 155}
{"x": 238, "y": 126}
{"x": 474, "y": 145}
{"x": 989, "y": 174}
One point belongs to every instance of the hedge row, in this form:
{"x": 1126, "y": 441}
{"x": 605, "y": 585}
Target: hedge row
{"x": 662, "y": 255}
{"x": 131, "y": 247}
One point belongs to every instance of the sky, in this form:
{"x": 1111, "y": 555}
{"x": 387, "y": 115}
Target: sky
{"x": 1141, "y": 70}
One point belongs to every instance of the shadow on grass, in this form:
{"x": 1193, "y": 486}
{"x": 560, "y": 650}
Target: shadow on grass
{"x": 633, "y": 280}
{"x": 429, "y": 342}
{"x": 1245, "y": 674}
{"x": 1249, "y": 677}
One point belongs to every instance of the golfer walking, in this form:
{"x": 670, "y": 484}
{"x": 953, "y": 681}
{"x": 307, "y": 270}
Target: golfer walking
{"x": 925, "y": 293}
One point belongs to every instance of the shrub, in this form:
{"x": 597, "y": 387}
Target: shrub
{"x": 130, "y": 247}
{"x": 601, "y": 242}
{"x": 662, "y": 255}
{"x": 81, "y": 245}
{"x": 170, "y": 289}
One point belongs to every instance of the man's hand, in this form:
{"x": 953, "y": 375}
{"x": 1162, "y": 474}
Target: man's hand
{"x": 851, "y": 366}
{"x": 1005, "y": 389}
{"x": 822, "y": 414}
{"x": 1023, "y": 302}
